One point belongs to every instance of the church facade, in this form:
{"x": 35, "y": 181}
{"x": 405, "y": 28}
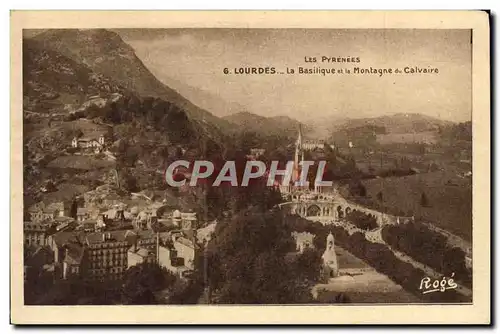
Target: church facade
{"x": 301, "y": 146}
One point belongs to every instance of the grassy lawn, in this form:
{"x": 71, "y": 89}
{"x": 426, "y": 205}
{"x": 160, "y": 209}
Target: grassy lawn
{"x": 449, "y": 197}
{"x": 348, "y": 261}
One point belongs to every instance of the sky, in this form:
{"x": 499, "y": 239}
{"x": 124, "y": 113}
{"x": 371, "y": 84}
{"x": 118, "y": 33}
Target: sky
{"x": 197, "y": 57}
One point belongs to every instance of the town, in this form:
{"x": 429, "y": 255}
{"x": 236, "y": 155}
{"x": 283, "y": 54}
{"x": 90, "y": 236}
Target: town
{"x": 100, "y": 236}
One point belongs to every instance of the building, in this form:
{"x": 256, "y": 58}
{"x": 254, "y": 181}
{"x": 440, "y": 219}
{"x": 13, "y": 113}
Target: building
{"x": 137, "y": 255}
{"x": 64, "y": 223}
{"x": 60, "y": 240}
{"x": 185, "y": 220}
{"x": 72, "y": 264}
{"x": 256, "y": 153}
{"x": 310, "y": 145}
{"x": 303, "y": 240}
{"x": 35, "y": 234}
{"x": 82, "y": 214}
{"x": 179, "y": 257}
{"x": 145, "y": 219}
{"x": 330, "y": 266}
{"x": 95, "y": 142}
{"x": 301, "y": 146}
{"x": 48, "y": 212}
{"x": 107, "y": 254}
{"x": 88, "y": 226}
{"x": 204, "y": 234}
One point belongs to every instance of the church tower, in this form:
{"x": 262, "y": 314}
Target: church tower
{"x": 298, "y": 153}
{"x": 330, "y": 265}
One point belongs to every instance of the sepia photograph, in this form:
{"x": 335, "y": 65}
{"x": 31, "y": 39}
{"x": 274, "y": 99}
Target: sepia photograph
{"x": 219, "y": 166}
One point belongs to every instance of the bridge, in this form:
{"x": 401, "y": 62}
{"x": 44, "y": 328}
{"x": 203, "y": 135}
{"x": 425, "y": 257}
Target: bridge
{"x": 326, "y": 207}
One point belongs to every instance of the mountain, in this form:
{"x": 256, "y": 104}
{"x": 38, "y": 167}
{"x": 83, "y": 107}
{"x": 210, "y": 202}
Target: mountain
{"x": 387, "y": 129}
{"x": 205, "y": 99}
{"x": 64, "y": 98}
{"x": 282, "y": 126}
{"x": 55, "y": 83}
{"x": 58, "y": 92}
{"x": 105, "y": 52}
{"x": 397, "y": 123}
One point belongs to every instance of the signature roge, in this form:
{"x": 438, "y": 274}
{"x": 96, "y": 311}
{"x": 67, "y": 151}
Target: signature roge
{"x": 441, "y": 285}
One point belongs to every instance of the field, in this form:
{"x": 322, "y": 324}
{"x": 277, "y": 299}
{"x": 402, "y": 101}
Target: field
{"x": 369, "y": 287}
{"x": 449, "y": 198}
{"x": 348, "y": 261}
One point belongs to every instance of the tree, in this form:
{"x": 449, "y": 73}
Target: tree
{"x": 356, "y": 188}
{"x": 423, "y": 200}
{"x": 308, "y": 264}
{"x": 247, "y": 260}
{"x": 142, "y": 280}
{"x": 362, "y": 220}
{"x": 380, "y": 196}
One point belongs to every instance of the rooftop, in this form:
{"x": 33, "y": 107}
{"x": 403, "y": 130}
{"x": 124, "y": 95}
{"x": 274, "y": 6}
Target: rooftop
{"x": 74, "y": 254}
{"x": 184, "y": 241}
{"x": 65, "y": 238}
{"x": 143, "y": 252}
{"x": 112, "y": 236}
{"x": 81, "y": 211}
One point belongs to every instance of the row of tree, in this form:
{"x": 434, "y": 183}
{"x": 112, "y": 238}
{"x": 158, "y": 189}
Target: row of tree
{"x": 428, "y": 247}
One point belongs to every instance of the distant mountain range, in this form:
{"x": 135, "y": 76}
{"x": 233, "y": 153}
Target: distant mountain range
{"x": 397, "y": 123}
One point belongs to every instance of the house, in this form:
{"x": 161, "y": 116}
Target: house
{"x": 73, "y": 261}
{"x": 185, "y": 220}
{"x": 41, "y": 211}
{"x": 303, "y": 240}
{"x": 59, "y": 241}
{"x": 178, "y": 257}
{"x": 64, "y": 223}
{"x": 89, "y": 225}
{"x": 204, "y": 234}
{"x": 137, "y": 255}
{"x": 82, "y": 214}
{"x": 256, "y": 153}
{"x": 89, "y": 142}
{"x": 35, "y": 234}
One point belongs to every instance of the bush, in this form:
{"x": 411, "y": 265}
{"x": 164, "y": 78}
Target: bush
{"x": 362, "y": 220}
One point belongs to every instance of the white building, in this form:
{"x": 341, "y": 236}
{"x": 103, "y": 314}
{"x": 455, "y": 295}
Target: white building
{"x": 330, "y": 265}
{"x": 90, "y": 142}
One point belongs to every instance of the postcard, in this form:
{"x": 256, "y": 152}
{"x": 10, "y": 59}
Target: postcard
{"x": 233, "y": 167}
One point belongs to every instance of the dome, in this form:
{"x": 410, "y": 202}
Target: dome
{"x": 177, "y": 214}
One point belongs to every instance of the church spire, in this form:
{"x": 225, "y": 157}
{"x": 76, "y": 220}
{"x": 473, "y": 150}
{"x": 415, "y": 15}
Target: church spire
{"x": 299, "y": 154}
{"x": 299, "y": 138}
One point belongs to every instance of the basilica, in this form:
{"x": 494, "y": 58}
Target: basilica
{"x": 302, "y": 146}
